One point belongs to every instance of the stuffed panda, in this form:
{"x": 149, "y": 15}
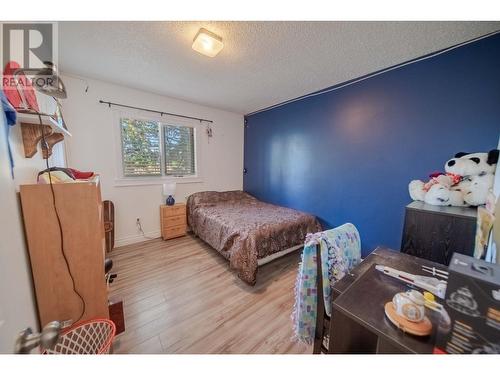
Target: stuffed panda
{"x": 466, "y": 182}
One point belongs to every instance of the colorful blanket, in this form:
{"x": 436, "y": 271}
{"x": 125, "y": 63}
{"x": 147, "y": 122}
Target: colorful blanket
{"x": 340, "y": 251}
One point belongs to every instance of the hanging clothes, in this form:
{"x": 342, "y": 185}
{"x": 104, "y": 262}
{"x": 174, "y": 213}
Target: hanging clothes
{"x": 10, "y": 116}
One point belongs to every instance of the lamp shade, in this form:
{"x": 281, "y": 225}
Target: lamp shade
{"x": 169, "y": 188}
{"x": 207, "y": 43}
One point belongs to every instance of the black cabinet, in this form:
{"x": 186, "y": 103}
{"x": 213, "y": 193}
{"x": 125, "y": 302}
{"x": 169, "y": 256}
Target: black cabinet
{"x": 436, "y": 232}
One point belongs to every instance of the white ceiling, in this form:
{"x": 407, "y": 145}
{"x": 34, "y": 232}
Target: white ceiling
{"x": 262, "y": 63}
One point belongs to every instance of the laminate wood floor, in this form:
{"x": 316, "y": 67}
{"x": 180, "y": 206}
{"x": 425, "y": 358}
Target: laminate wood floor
{"x": 180, "y": 297}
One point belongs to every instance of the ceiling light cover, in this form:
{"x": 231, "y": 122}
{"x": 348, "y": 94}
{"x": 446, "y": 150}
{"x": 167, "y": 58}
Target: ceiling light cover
{"x": 207, "y": 43}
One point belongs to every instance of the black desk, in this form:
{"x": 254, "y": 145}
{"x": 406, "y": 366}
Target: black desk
{"x": 359, "y": 324}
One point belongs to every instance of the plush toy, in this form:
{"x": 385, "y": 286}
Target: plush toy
{"x": 466, "y": 182}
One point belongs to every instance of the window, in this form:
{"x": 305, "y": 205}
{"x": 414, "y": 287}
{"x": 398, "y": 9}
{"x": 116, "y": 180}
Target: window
{"x": 179, "y": 150}
{"x": 152, "y": 148}
{"x": 140, "y": 148}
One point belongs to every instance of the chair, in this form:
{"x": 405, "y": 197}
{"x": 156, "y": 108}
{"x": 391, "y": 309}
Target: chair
{"x": 322, "y": 319}
{"x": 352, "y": 255}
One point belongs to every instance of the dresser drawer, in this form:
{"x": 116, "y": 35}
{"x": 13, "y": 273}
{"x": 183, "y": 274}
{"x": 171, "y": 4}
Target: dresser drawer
{"x": 173, "y": 221}
{"x": 172, "y": 232}
{"x": 175, "y": 210}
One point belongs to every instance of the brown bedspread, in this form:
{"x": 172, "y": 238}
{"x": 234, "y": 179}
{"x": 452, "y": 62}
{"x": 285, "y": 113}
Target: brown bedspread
{"x": 244, "y": 229}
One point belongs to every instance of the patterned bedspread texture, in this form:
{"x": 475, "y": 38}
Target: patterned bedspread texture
{"x": 244, "y": 229}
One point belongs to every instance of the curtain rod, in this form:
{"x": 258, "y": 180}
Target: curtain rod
{"x": 154, "y": 111}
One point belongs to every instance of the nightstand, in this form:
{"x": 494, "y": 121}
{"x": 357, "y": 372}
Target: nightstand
{"x": 173, "y": 221}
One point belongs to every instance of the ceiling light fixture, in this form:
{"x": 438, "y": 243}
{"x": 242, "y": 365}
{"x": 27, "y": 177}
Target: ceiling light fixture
{"x": 207, "y": 43}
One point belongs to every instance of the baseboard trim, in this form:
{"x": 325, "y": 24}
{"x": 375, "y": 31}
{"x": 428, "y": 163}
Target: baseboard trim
{"x": 128, "y": 240}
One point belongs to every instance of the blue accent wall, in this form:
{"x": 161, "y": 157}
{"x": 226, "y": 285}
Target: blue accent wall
{"x": 348, "y": 155}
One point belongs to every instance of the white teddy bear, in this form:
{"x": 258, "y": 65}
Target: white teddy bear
{"x": 466, "y": 182}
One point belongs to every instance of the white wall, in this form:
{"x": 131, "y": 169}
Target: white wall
{"x": 17, "y": 310}
{"x": 92, "y": 147}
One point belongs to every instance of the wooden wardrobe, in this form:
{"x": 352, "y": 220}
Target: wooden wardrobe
{"x": 80, "y": 210}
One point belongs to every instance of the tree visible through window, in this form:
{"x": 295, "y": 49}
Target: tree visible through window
{"x": 140, "y": 148}
{"x": 143, "y": 143}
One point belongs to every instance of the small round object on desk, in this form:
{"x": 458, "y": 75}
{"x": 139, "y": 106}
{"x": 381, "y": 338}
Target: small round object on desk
{"x": 422, "y": 328}
{"x": 429, "y": 296}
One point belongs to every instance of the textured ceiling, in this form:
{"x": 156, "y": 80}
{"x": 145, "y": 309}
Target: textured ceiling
{"x": 262, "y": 63}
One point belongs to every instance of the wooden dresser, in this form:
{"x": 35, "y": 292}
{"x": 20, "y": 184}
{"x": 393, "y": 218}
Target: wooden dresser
{"x": 80, "y": 210}
{"x": 173, "y": 221}
{"x": 436, "y": 232}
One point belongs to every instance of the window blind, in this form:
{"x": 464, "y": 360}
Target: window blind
{"x": 179, "y": 150}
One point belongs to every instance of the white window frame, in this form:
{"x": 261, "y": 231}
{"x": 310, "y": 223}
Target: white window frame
{"x": 121, "y": 180}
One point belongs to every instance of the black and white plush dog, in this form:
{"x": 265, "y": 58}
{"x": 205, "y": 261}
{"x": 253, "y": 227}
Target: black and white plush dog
{"x": 466, "y": 182}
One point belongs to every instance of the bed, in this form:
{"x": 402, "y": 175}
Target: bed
{"x": 246, "y": 231}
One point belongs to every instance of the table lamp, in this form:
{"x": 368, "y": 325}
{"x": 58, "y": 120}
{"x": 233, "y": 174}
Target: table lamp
{"x": 169, "y": 192}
